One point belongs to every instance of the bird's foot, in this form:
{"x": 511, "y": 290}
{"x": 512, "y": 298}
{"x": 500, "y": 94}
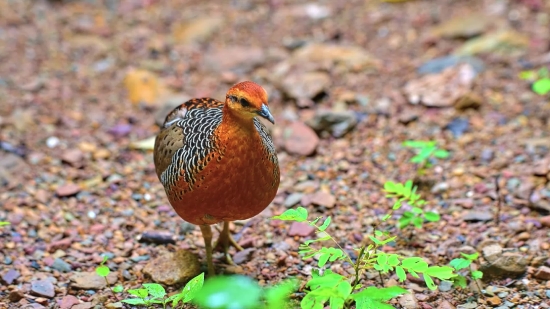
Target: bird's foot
{"x": 224, "y": 241}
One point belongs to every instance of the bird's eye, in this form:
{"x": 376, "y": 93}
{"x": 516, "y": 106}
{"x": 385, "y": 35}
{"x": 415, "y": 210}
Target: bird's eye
{"x": 244, "y": 102}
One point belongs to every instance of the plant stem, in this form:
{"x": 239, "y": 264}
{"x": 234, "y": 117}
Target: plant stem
{"x": 357, "y": 268}
{"x": 334, "y": 240}
{"x": 499, "y": 200}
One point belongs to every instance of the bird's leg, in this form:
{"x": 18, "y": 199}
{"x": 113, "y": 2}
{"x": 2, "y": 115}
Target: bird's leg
{"x": 207, "y": 235}
{"x": 225, "y": 240}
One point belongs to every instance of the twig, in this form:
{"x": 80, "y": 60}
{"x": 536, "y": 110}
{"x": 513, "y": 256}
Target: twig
{"x": 499, "y": 199}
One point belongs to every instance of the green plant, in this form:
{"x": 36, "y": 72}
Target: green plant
{"x": 342, "y": 291}
{"x": 540, "y": 80}
{"x": 465, "y": 263}
{"x": 426, "y": 151}
{"x": 2, "y": 223}
{"x": 154, "y": 293}
{"x": 407, "y": 194}
{"x": 103, "y": 271}
{"x": 243, "y": 292}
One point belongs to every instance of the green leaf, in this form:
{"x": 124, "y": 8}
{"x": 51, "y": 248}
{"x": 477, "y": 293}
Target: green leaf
{"x": 441, "y": 154}
{"x": 299, "y": 215}
{"x": 414, "y": 264}
{"x": 309, "y": 241}
{"x": 323, "y": 259}
{"x": 155, "y": 290}
{"x": 229, "y": 292}
{"x": 379, "y": 294}
{"x": 403, "y": 222}
{"x": 400, "y": 273}
{"x": 386, "y": 217}
{"x": 417, "y": 222}
{"x": 476, "y": 274}
{"x": 2, "y": 223}
{"x": 117, "y": 289}
{"x": 325, "y": 224}
{"x": 432, "y": 216}
{"x": 542, "y": 86}
{"x": 527, "y": 75}
{"x": 102, "y": 271}
{"x": 277, "y": 296}
{"x": 471, "y": 257}
{"x": 393, "y": 260}
{"x": 430, "y": 282}
{"x": 440, "y": 272}
{"x": 192, "y": 287}
{"x": 459, "y": 263}
{"x": 416, "y": 210}
{"x": 134, "y": 301}
{"x": 459, "y": 281}
{"x": 416, "y": 144}
{"x": 141, "y": 293}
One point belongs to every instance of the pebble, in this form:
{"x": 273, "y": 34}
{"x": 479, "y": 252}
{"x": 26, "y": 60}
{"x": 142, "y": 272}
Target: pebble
{"x": 43, "y": 288}
{"x": 477, "y": 215}
{"x": 458, "y": 126}
{"x": 467, "y": 306}
{"x": 337, "y": 123}
{"x": 116, "y": 305}
{"x": 68, "y": 302}
{"x": 503, "y": 265}
{"x": 10, "y": 276}
{"x": 73, "y": 156}
{"x": 67, "y": 190}
{"x": 300, "y": 139}
{"x": 543, "y": 273}
{"x": 408, "y": 301}
{"x": 91, "y": 280}
{"x": 322, "y": 198}
{"x": 173, "y": 268}
{"x": 243, "y": 255}
{"x": 305, "y": 85}
{"x": 158, "y": 237}
{"x": 445, "y": 286}
{"x": 300, "y": 229}
{"x": 494, "y": 301}
{"x": 60, "y": 265}
{"x": 16, "y": 296}
{"x": 86, "y": 305}
{"x": 445, "y": 305}
{"x": 545, "y": 221}
{"x": 293, "y": 199}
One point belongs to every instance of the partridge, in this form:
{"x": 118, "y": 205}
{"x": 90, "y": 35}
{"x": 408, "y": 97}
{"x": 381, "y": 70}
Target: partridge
{"x": 217, "y": 161}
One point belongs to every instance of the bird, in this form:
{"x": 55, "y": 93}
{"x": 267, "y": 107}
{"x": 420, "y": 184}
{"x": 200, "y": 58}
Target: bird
{"x": 217, "y": 161}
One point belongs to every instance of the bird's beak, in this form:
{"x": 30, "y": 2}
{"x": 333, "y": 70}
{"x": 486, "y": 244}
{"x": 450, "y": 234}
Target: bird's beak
{"x": 265, "y": 113}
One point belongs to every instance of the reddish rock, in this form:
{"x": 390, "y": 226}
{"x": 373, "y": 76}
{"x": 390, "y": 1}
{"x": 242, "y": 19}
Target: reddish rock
{"x": 67, "y": 190}
{"x": 543, "y": 273}
{"x": 73, "y": 157}
{"x": 300, "y": 139}
{"x": 68, "y": 302}
{"x": 300, "y": 229}
{"x": 16, "y": 296}
{"x": 322, "y": 198}
{"x": 545, "y": 221}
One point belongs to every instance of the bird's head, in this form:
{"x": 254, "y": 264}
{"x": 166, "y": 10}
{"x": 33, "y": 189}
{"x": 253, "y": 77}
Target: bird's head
{"x": 248, "y": 100}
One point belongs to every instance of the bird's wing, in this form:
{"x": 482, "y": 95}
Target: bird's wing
{"x": 186, "y": 139}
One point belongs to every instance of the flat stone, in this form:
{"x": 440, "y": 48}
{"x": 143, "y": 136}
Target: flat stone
{"x": 300, "y": 139}
{"x": 243, "y": 255}
{"x": 158, "y": 237}
{"x": 173, "y": 268}
{"x": 16, "y": 296}
{"x": 43, "y": 288}
{"x": 504, "y": 265}
{"x": 293, "y": 199}
{"x": 68, "y": 301}
{"x": 445, "y": 305}
{"x": 196, "y": 30}
{"x": 73, "y": 157}
{"x": 305, "y": 85}
{"x": 476, "y": 215}
{"x": 337, "y": 123}
{"x": 408, "y": 301}
{"x": 86, "y": 305}
{"x": 67, "y": 190}
{"x": 116, "y": 305}
{"x": 91, "y": 280}
{"x": 10, "y": 276}
{"x": 60, "y": 265}
{"x": 543, "y": 273}
{"x": 545, "y": 221}
{"x": 322, "y": 198}
{"x": 300, "y": 229}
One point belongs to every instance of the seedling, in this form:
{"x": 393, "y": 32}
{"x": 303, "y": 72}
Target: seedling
{"x": 426, "y": 152}
{"x": 2, "y": 223}
{"x": 465, "y": 263}
{"x": 540, "y": 80}
{"x": 342, "y": 291}
{"x": 154, "y": 293}
{"x": 407, "y": 194}
{"x": 103, "y": 271}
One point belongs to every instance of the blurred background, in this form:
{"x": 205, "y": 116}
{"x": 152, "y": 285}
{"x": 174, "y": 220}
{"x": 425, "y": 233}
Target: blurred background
{"x": 85, "y": 84}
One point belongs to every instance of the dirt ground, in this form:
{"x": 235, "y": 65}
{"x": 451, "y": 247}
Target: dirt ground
{"x": 84, "y": 84}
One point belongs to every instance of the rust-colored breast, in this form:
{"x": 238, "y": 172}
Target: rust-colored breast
{"x": 215, "y": 172}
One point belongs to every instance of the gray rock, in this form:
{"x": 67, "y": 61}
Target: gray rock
{"x": 504, "y": 265}
{"x": 173, "y": 268}
{"x": 476, "y": 215}
{"x": 337, "y": 123}
{"x": 91, "y": 280}
{"x": 43, "y": 288}
{"x": 293, "y": 199}
{"x": 445, "y": 286}
{"x": 62, "y": 266}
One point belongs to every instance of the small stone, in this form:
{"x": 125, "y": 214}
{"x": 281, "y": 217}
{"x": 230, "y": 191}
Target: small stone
{"x": 196, "y": 30}
{"x": 504, "y": 265}
{"x": 158, "y": 237}
{"x": 445, "y": 286}
{"x": 475, "y": 215}
{"x": 73, "y": 157}
{"x": 545, "y": 221}
{"x": 16, "y": 296}
{"x": 293, "y": 199}
{"x": 322, "y": 198}
{"x": 445, "y": 305}
{"x": 91, "y": 280}
{"x": 67, "y": 190}
{"x": 10, "y": 276}
{"x": 43, "y": 288}
{"x": 86, "y": 305}
{"x": 467, "y": 306}
{"x": 465, "y": 26}
{"x": 243, "y": 255}
{"x": 491, "y": 250}
{"x": 300, "y": 229}
{"x": 523, "y": 236}
{"x": 173, "y": 268}
{"x": 494, "y": 301}
{"x": 116, "y": 305}
{"x": 300, "y": 139}
{"x": 60, "y": 265}
{"x": 543, "y": 273}
{"x": 337, "y": 123}
{"x": 68, "y": 302}
{"x": 408, "y": 301}
{"x": 305, "y": 85}
{"x": 458, "y": 126}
